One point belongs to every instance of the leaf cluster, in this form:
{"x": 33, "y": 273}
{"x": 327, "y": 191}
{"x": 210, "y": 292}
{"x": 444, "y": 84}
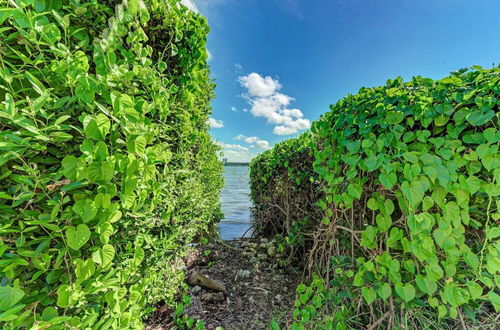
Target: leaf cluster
{"x": 408, "y": 175}
{"x": 107, "y": 170}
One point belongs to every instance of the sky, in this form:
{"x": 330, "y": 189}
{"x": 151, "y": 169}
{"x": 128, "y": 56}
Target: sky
{"x": 279, "y": 64}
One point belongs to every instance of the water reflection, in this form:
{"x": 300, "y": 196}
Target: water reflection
{"x": 235, "y": 202}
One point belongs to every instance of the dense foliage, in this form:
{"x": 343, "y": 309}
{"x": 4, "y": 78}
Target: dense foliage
{"x": 407, "y": 213}
{"x": 107, "y": 170}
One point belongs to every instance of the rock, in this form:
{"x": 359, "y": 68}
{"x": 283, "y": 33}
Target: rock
{"x": 254, "y": 260}
{"x": 212, "y": 296}
{"x": 247, "y": 254}
{"x": 262, "y": 256}
{"x": 196, "y": 288}
{"x": 279, "y": 298}
{"x": 244, "y": 244}
{"x": 245, "y": 273}
{"x": 263, "y": 246}
{"x": 251, "y": 300}
{"x": 264, "y": 240}
{"x": 271, "y": 251}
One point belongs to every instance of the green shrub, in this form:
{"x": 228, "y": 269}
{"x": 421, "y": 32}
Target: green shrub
{"x": 107, "y": 169}
{"x": 409, "y": 178}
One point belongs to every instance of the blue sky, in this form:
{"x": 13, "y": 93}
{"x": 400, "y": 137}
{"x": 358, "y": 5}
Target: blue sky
{"x": 279, "y": 64}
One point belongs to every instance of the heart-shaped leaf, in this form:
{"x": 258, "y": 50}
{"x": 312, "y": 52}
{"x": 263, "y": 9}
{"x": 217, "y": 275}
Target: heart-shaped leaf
{"x": 77, "y": 236}
{"x": 406, "y": 292}
{"x": 9, "y": 296}
{"x": 105, "y": 255}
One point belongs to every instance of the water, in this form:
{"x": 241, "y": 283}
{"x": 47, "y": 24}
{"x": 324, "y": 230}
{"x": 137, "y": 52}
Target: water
{"x": 235, "y": 203}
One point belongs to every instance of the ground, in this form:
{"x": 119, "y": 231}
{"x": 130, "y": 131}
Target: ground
{"x": 258, "y": 290}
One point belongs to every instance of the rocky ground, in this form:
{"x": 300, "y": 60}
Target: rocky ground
{"x": 240, "y": 284}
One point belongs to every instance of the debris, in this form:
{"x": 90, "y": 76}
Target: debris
{"x": 212, "y": 296}
{"x": 197, "y": 278}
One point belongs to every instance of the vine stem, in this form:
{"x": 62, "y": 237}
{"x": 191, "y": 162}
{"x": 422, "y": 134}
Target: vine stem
{"x": 486, "y": 237}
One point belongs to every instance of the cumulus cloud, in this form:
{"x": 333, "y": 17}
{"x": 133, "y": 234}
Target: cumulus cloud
{"x": 215, "y": 123}
{"x": 235, "y": 152}
{"x": 234, "y": 109}
{"x": 266, "y": 101}
{"x": 259, "y": 86}
{"x": 254, "y": 141}
{"x": 232, "y": 146}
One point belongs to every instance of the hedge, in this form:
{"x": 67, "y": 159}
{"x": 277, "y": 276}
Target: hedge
{"x": 406, "y": 202}
{"x": 107, "y": 170}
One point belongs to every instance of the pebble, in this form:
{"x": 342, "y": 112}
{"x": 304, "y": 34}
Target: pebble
{"x": 271, "y": 251}
{"x": 264, "y": 240}
{"x": 279, "y": 297}
{"x": 262, "y": 256}
{"x": 254, "y": 260}
{"x": 245, "y": 273}
{"x": 196, "y": 288}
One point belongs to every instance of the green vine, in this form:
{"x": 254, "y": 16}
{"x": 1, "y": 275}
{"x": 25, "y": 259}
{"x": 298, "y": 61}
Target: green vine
{"x": 107, "y": 170}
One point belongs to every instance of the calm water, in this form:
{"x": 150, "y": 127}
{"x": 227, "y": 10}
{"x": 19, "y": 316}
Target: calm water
{"x": 236, "y": 203}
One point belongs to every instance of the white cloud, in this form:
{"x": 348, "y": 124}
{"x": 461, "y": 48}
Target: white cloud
{"x": 232, "y": 146}
{"x": 259, "y": 86}
{"x": 254, "y": 141}
{"x": 209, "y": 56}
{"x": 238, "y": 67}
{"x": 215, "y": 123}
{"x": 234, "y": 109}
{"x": 266, "y": 101}
{"x": 235, "y": 152}
{"x": 190, "y": 5}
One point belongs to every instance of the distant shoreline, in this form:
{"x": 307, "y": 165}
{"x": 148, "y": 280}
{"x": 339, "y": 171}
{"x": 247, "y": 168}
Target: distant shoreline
{"x": 235, "y": 164}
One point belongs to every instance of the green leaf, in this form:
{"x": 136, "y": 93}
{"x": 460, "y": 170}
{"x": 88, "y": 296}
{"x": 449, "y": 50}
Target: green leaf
{"x": 77, "y": 237}
{"x": 369, "y": 294}
{"x": 455, "y": 295}
{"x": 480, "y": 117}
{"x": 9, "y": 297}
{"x": 495, "y": 300}
{"x": 84, "y": 269}
{"x": 63, "y": 296}
{"x": 49, "y": 313}
{"x": 85, "y": 89}
{"x": 475, "y": 290}
{"x": 301, "y": 288}
{"x": 383, "y": 222}
{"x": 384, "y": 291}
{"x": 101, "y": 172}
{"x": 137, "y": 145}
{"x": 443, "y": 175}
{"x": 406, "y": 292}
{"x": 104, "y": 256}
{"x": 425, "y": 285}
{"x": 388, "y": 180}
{"x": 354, "y": 190}
{"x": 412, "y": 157}
{"x": 51, "y": 33}
{"x": 86, "y": 209}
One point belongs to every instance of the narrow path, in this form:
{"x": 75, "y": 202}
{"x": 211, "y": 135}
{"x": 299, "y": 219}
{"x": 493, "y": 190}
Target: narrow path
{"x": 258, "y": 290}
